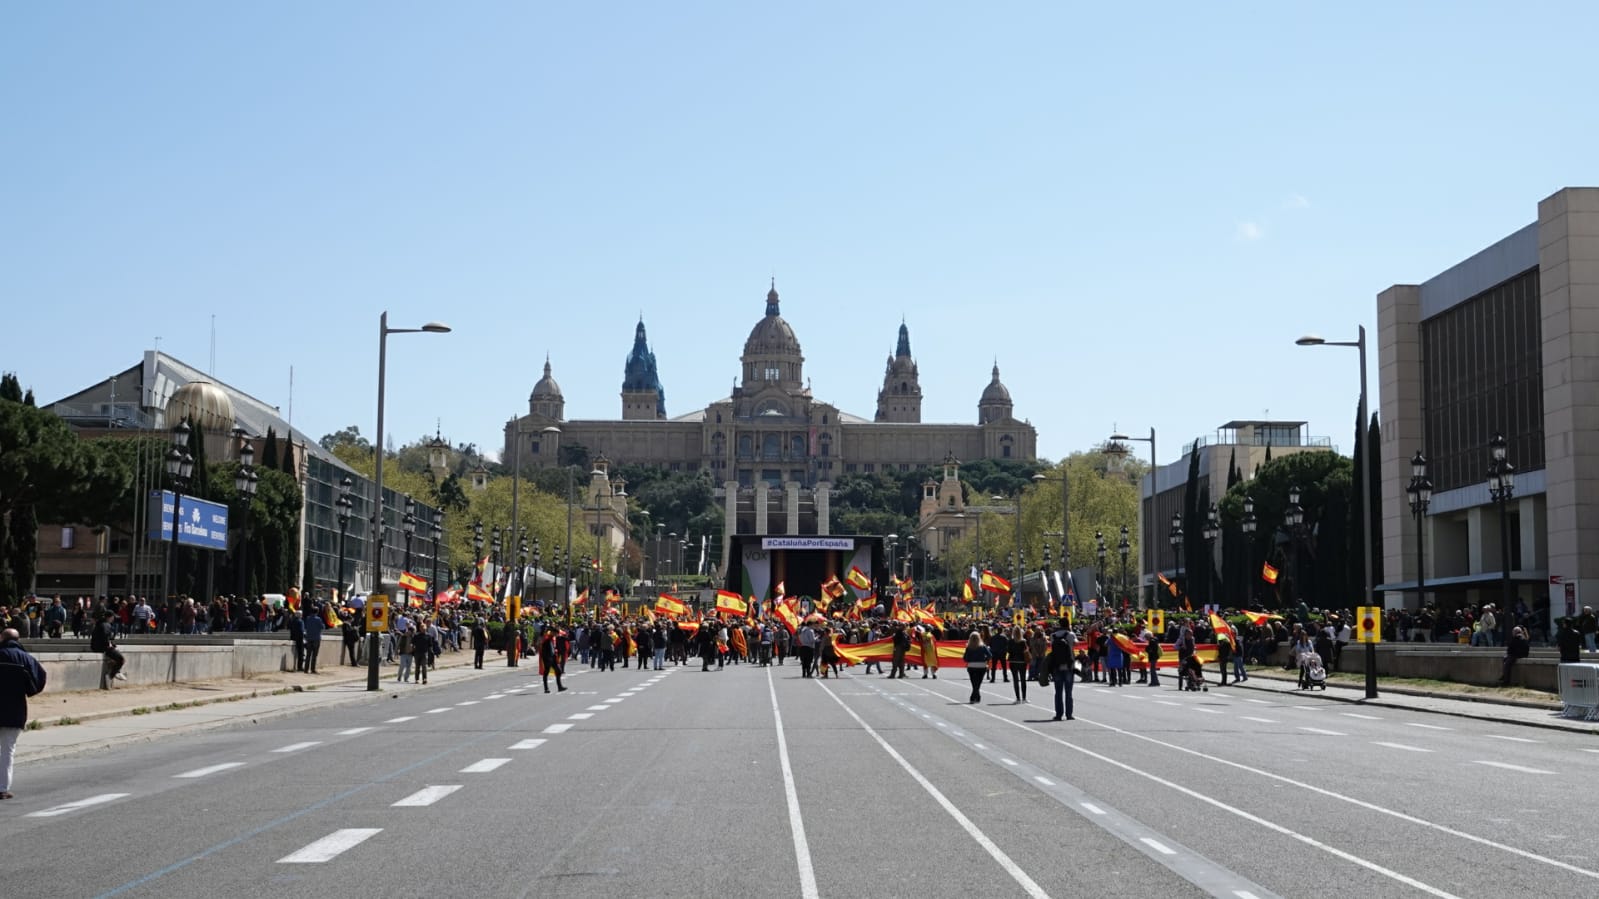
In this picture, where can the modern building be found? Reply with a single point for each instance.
(1162, 492)
(1504, 342)
(141, 400)
(771, 447)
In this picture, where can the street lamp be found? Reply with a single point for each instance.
(495, 546)
(1099, 552)
(1123, 547)
(244, 482)
(1065, 516)
(438, 534)
(408, 524)
(1420, 490)
(1368, 591)
(477, 549)
(893, 545)
(1211, 531)
(180, 467)
(377, 545)
(1175, 538)
(1294, 519)
(1501, 487)
(1116, 455)
(344, 505)
(537, 560)
(1248, 528)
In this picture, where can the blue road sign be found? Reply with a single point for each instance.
(204, 525)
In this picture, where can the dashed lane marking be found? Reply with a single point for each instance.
(557, 728)
(1511, 739)
(426, 796)
(1426, 726)
(296, 747)
(331, 846)
(77, 806)
(1257, 720)
(484, 766)
(1360, 716)
(598, 708)
(580, 716)
(527, 744)
(355, 730)
(1157, 845)
(468, 702)
(437, 711)
(1509, 767)
(1404, 746)
(1323, 732)
(401, 720)
(210, 769)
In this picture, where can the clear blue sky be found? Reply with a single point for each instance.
(1135, 207)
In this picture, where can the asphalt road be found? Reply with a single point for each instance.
(753, 782)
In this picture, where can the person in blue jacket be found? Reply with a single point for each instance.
(21, 676)
(314, 625)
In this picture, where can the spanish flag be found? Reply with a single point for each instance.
(833, 587)
(785, 614)
(411, 582)
(1259, 618)
(477, 593)
(866, 604)
(966, 591)
(994, 583)
(731, 603)
(581, 598)
(1268, 573)
(1168, 583)
(926, 616)
(1224, 631)
(670, 605)
(858, 579)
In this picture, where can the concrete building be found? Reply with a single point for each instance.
(1506, 341)
(119, 559)
(772, 449)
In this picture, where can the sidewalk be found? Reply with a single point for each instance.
(92, 720)
(1506, 711)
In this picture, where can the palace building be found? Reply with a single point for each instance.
(772, 448)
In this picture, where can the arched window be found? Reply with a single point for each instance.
(746, 446)
(771, 446)
(796, 446)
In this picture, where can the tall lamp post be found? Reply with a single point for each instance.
(495, 546)
(477, 548)
(1123, 547)
(408, 523)
(1420, 490)
(1175, 538)
(345, 506)
(1116, 451)
(1211, 532)
(513, 645)
(1065, 516)
(1501, 487)
(245, 481)
(438, 534)
(180, 467)
(1099, 553)
(1369, 461)
(1248, 528)
(377, 544)
(1294, 519)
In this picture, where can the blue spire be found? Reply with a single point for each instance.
(903, 351)
(641, 373)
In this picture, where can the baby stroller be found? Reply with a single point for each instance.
(1311, 672)
(1191, 675)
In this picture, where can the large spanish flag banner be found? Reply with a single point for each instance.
(731, 603)
(670, 606)
(1224, 631)
(785, 613)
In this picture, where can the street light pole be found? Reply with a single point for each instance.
(180, 466)
(344, 505)
(1420, 490)
(1099, 554)
(1248, 528)
(1146, 541)
(244, 481)
(1369, 462)
(1501, 487)
(1211, 532)
(1123, 547)
(408, 523)
(1175, 537)
(438, 533)
(377, 450)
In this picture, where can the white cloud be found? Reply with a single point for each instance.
(1250, 231)
(1296, 201)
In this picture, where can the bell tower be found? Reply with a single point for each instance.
(900, 399)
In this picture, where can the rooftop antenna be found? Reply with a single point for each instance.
(158, 343)
(212, 369)
(291, 396)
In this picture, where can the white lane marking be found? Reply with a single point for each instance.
(613, 701)
(296, 747)
(1511, 739)
(212, 769)
(1405, 746)
(437, 711)
(426, 796)
(981, 746)
(1426, 726)
(598, 708)
(527, 744)
(1257, 720)
(1257, 701)
(557, 728)
(1164, 702)
(401, 720)
(469, 702)
(1030, 886)
(1509, 767)
(1360, 716)
(1328, 733)
(1309, 708)
(1591, 750)
(494, 696)
(580, 716)
(1092, 808)
(941, 723)
(484, 766)
(355, 730)
(331, 846)
(63, 809)
(1245, 894)
(516, 689)
(796, 822)
(1011, 762)
(1043, 780)
(1223, 806)
(1157, 845)
(1207, 711)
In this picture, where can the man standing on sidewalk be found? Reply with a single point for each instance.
(21, 676)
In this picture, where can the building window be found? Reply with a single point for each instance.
(677, 466)
(746, 446)
(772, 477)
(773, 374)
(796, 446)
(869, 467)
(849, 468)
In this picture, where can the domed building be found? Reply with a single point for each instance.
(772, 447)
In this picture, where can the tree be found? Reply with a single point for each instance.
(1234, 579)
(269, 450)
(1321, 477)
(348, 436)
(1193, 527)
(44, 473)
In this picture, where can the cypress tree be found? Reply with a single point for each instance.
(1193, 522)
(269, 449)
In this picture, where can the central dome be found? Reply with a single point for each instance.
(771, 335)
(772, 356)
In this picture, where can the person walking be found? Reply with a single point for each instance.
(349, 634)
(1017, 656)
(402, 649)
(21, 676)
(480, 642)
(976, 656)
(550, 659)
(806, 638)
(1062, 667)
(422, 649)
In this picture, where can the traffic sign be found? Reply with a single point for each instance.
(1368, 624)
(1157, 622)
(377, 614)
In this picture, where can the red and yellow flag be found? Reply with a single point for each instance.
(966, 591)
(833, 587)
(858, 579)
(786, 615)
(670, 606)
(581, 598)
(994, 583)
(411, 582)
(1224, 631)
(477, 593)
(731, 603)
(1268, 573)
(1171, 587)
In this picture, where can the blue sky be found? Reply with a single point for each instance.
(1135, 208)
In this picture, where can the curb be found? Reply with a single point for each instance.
(1378, 703)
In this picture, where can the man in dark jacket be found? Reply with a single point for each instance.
(21, 676)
